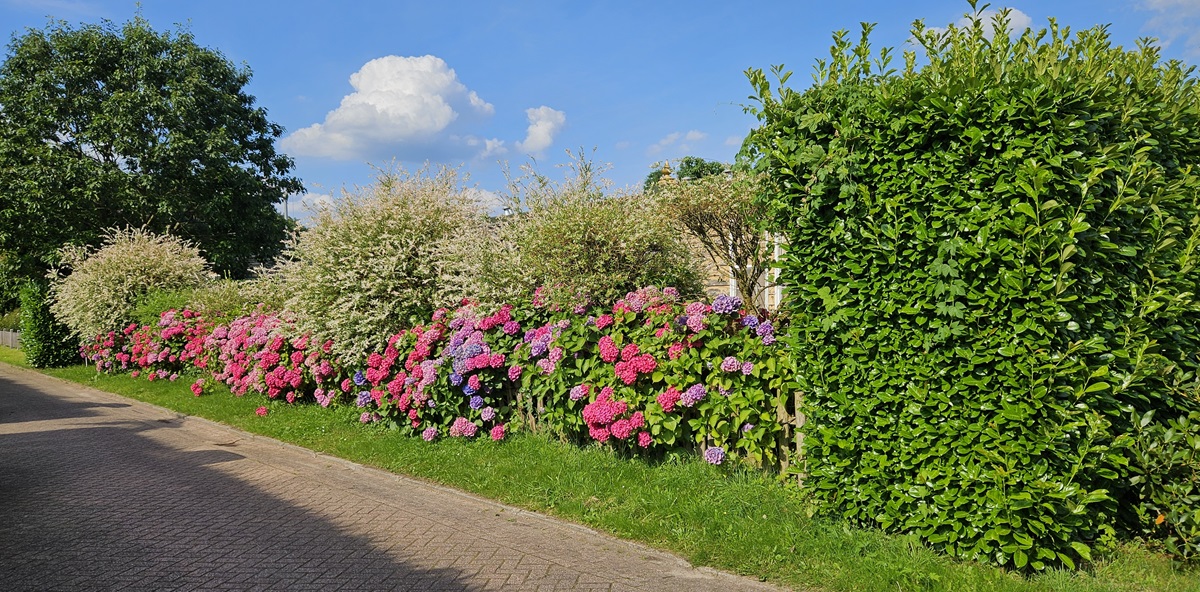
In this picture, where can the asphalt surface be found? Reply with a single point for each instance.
(100, 492)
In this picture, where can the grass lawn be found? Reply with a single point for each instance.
(737, 520)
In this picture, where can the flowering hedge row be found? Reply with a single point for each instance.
(652, 373)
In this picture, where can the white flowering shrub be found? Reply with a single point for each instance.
(96, 291)
(583, 242)
(368, 267)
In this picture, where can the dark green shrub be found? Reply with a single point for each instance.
(992, 264)
(46, 342)
(1166, 471)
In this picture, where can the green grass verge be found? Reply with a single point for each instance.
(740, 521)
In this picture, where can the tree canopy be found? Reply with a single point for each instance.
(109, 126)
(690, 167)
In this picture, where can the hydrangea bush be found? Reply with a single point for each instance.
(650, 374)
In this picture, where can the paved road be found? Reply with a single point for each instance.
(98, 492)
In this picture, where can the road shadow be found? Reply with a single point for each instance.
(104, 507)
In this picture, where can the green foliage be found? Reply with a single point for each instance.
(107, 127)
(689, 168)
(46, 342)
(368, 266)
(584, 243)
(1166, 471)
(219, 302)
(104, 287)
(11, 321)
(993, 265)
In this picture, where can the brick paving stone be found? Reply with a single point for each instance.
(99, 492)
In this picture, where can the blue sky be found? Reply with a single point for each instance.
(480, 83)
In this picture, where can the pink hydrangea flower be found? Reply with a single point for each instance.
(497, 433)
(262, 411)
(668, 399)
(463, 428)
(608, 349)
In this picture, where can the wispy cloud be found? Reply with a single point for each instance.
(1175, 21)
(672, 140)
(1017, 21)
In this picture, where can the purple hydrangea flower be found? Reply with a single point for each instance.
(429, 434)
(715, 455)
(730, 364)
(764, 328)
(747, 368)
(768, 339)
(747, 427)
(488, 414)
(693, 395)
(750, 321)
(455, 378)
(476, 402)
(360, 378)
(364, 398)
(467, 390)
(726, 304)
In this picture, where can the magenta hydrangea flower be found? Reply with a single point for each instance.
(514, 373)
(715, 455)
(497, 433)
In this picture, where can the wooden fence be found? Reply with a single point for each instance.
(10, 339)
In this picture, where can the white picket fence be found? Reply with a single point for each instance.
(10, 339)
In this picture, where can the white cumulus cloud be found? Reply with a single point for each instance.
(1174, 21)
(401, 107)
(544, 125)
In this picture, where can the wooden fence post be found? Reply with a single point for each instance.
(800, 419)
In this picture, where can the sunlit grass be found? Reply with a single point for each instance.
(738, 520)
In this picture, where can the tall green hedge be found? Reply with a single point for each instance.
(46, 342)
(991, 271)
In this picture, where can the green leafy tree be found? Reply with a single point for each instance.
(689, 168)
(112, 127)
(999, 268)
